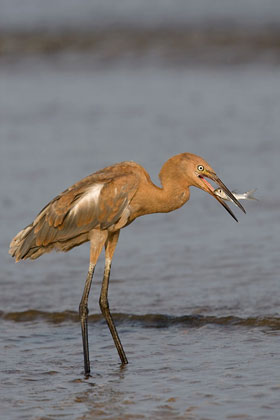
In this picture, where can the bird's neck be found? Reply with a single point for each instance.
(168, 198)
(173, 193)
(153, 199)
(175, 187)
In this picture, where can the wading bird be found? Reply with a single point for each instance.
(97, 207)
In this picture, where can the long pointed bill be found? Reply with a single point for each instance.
(214, 178)
(221, 201)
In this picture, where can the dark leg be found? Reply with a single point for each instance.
(97, 243)
(103, 300)
(83, 312)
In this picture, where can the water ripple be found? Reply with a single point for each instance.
(147, 320)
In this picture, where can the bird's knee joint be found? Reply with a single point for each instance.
(83, 311)
(103, 303)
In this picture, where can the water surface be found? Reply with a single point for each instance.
(195, 295)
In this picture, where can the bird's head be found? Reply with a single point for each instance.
(197, 170)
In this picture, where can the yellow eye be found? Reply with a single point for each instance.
(200, 168)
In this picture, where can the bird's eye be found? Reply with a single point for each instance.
(200, 167)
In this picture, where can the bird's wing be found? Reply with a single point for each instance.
(93, 202)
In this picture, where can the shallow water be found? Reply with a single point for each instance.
(195, 295)
(38, 14)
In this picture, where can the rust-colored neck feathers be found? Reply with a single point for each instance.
(173, 194)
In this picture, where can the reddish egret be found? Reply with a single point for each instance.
(97, 207)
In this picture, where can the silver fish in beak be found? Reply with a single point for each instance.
(208, 187)
(248, 195)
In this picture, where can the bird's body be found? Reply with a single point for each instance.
(108, 200)
(98, 206)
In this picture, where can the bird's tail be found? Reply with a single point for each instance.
(23, 245)
(26, 244)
